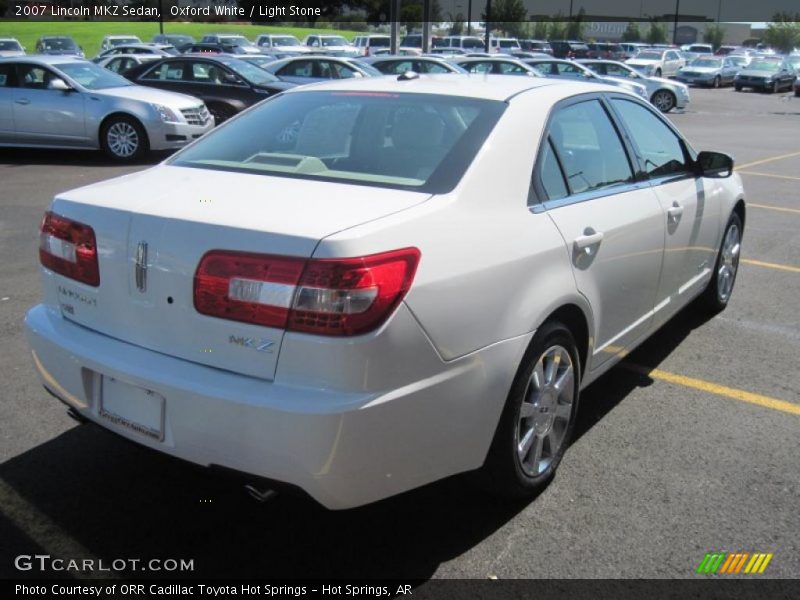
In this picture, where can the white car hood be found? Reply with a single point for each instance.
(152, 95)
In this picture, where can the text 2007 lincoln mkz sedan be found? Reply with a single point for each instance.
(367, 285)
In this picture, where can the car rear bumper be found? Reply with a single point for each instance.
(343, 448)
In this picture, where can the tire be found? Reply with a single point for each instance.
(774, 88)
(716, 296)
(797, 92)
(221, 112)
(509, 469)
(717, 82)
(123, 138)
(738, 88)
(663, 100)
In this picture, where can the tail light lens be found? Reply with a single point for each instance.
(69, 248)
(336, 297)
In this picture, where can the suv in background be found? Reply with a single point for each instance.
(281, 45)
(504, 44)
(606, 50)
(231, 39)
(569, 49)
(536, 46)
(367, 44)
(464, 42)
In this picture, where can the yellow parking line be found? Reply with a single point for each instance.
(767, 175)
(766, 160)
(44, 532)
(717, 390)
(769, 265)
(770, 207)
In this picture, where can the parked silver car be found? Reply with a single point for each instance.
(664, 94)
(558, 67)
(709, 71)
(64, 102)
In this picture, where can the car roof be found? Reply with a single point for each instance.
(55, 37)
(502, 87)
(45, 59)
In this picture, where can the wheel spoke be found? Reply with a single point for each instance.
(527, 410)
(525, 444)
(553, 441)
(538, 376)
(564, 381)
(536, 453)
(552, 367)
(563, 411)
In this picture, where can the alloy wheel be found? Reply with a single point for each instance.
(663, 100)
(729, 262)
(546, 411)
(123, 139)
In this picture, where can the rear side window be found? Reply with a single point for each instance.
(661, 150)
(420, 142)
(590, 149)
(550, 174)
(168, 71)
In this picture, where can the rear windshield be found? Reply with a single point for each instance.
(421, 142)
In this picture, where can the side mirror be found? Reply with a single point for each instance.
(59, 85)
(714, 164)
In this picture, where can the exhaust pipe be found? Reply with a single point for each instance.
(258, 495)
(76, 416)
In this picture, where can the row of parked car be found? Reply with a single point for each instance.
(153, 96)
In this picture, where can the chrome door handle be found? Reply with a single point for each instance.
(23, 101)
(590, 238)
(674, 212)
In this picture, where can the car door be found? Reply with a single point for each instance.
(672, 62)
(8, 76)
(728, 70)
(612, 224)
(691, 210)
(45, 116)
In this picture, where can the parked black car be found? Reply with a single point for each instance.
(227, 85)
(569, 49)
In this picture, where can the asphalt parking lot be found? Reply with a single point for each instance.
(688, 448)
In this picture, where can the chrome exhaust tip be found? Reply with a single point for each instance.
(259, 495)
(76, 416)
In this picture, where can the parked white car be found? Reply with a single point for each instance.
(664, 94)
(355, 303)
(657, 62)
(111, 41)
(65, 102)
(10, 47)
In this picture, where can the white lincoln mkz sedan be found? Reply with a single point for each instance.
(363, 286)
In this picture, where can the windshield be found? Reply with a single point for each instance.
(10, 45)
(285, 40)
(92, 77)
(644, 55)
(235, 40)
(250, 72)
(706, 62)
(426, 141)
(334, 40)
(59, 44)
(127, 40)
(764, 65)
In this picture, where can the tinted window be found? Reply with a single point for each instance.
(658, 145)
(550, 174)
(298, 68)
(395, 67)
(344, 72)
(33, 77)
(478, 67)
(590, 149)
(168, 71)
(407, 141)
(6, 75)
(429, 67)
(512, 69)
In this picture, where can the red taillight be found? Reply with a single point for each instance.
(69, 248)
(336, 297)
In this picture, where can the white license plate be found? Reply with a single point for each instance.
(132, 407)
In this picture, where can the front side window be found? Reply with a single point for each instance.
(512, 69)
(93, 77)
(662, 150)
(33, 77)
(590, 149)
(396, 67)
(420, 142)
(298, 68)
(478, 67)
